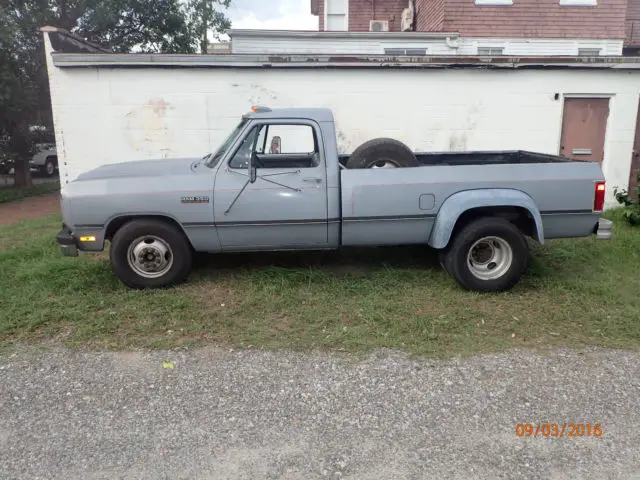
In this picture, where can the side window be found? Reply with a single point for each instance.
(289, 146)
(279, 146)
(288, 139)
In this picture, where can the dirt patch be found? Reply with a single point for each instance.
(214, 297)
(29, 208)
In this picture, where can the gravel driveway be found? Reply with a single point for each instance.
(253, 415)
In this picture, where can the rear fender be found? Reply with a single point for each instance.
(458, 203)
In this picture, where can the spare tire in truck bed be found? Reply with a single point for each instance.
(382, 153)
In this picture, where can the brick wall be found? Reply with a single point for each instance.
(525, 18)
(633, 23)
(429, 15)
(361, 12)
(536, 18)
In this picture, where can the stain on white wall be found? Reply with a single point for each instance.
(146, 128)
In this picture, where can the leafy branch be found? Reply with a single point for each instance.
(630, 203)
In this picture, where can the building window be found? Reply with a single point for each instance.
(579, 3)
(589, 52)
(336, 15)
(405, 51)
(490, 51)
(494, 2)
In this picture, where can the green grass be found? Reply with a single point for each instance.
(576, 293)
(11, 194)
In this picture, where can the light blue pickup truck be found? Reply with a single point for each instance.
(278, 183)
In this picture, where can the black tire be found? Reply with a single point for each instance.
(382, 150)
(179, 248)
(50, 165)
(456, 263)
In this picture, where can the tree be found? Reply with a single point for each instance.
(18, 95)
(166, 26)
(208, 16)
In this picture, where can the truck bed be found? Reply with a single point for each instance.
(393, 206)
(483, 158)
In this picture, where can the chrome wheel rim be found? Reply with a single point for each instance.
(384, 164)
(489, 258)
(150, 256)
(51, 169)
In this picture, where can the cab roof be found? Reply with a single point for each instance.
(317, 114)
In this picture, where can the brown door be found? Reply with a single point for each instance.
(584, 125)
(635, 159)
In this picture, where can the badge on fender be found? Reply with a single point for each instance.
(194, 199)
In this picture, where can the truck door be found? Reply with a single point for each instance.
(286, 207)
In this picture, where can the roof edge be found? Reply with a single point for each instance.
(139, 60)
(61, 38)
(317, 34)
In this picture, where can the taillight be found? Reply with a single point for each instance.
(598, 202)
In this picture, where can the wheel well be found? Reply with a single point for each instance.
(519, 216)
(118, 222)
(53, 158)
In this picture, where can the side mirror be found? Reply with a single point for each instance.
(253, 174)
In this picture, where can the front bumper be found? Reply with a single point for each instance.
(604, 229)
(68, 243)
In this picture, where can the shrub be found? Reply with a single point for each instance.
(630, 203)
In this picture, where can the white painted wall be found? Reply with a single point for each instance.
(112, 115)
(324, 44)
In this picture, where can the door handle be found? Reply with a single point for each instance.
(312, 179)
(582, 151)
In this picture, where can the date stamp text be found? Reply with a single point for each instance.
(557, 430)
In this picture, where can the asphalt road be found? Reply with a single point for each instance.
(253, 415)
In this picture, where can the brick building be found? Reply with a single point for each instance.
(496, 27)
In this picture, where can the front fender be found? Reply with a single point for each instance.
(460, 202)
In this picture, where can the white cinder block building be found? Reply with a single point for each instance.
(112, 108)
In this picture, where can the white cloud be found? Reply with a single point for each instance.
(284, 22)
(273, 15)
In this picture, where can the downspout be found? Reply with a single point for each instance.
(412, 9)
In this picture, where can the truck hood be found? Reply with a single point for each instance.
(144, 168)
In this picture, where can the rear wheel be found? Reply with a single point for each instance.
(150, 254)
(382, 153)
(487, 255)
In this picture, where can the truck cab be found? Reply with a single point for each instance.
(277, 186)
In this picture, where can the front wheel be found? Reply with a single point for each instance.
(487, 255)
(150, 254)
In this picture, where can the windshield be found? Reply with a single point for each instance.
(213, 159)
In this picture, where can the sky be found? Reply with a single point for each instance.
(272, 14)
